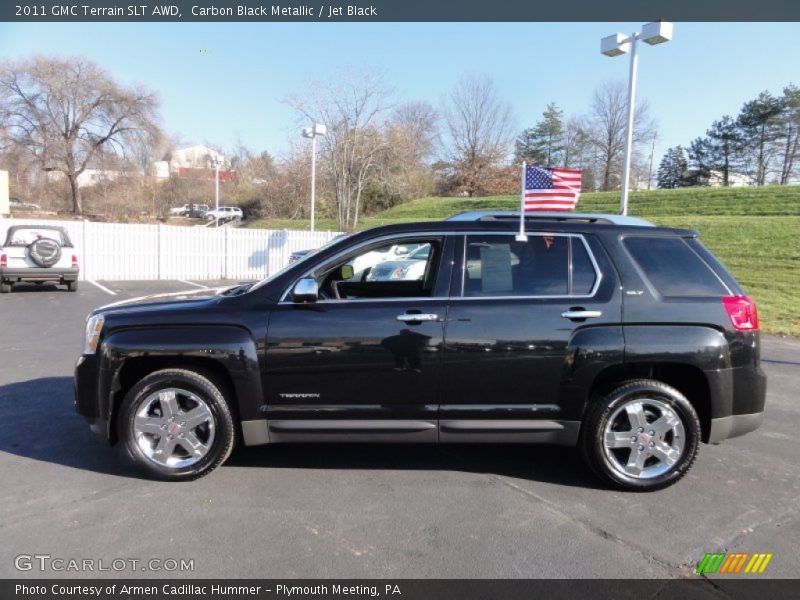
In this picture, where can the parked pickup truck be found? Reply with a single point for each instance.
(628, 340)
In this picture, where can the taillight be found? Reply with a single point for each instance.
(3, 260)
(742, 312)
(74, 262)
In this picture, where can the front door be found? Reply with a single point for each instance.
(364, 360)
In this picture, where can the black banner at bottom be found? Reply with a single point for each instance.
(400, 589)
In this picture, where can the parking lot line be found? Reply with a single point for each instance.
(102, 287)
(200, 285)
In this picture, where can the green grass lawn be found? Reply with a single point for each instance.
(755, 232)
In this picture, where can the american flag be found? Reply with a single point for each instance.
(550, 188)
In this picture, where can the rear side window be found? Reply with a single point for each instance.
(673, 267)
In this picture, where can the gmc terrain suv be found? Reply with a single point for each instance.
(628, 340)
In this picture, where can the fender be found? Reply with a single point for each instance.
(231, 348)
(699, 346)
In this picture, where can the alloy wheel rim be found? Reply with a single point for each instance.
(644, 438)
(174, 428)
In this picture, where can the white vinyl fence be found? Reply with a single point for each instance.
(130, 251)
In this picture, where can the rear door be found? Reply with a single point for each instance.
(515, 309)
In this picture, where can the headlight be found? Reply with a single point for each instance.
(94, 325)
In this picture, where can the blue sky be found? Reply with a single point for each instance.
(224, 82)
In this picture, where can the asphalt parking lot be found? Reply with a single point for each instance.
(366, 510)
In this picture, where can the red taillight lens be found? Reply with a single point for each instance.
(3, 260)
(742, 312)
(74, 261)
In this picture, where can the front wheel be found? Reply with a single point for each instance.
(175, 424)
(643, 436)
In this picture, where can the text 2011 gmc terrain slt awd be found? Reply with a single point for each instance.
(630, 341)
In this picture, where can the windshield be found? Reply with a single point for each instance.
(299, 261)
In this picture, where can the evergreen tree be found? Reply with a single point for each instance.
(725, 144)
(543, 144)
(759, 126)
(672, 169)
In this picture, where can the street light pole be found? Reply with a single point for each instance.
(313, 177)
(626, 166)
(614, 45)
(216, 191)
(313, 132)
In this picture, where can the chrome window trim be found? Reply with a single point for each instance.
(465, 234)
(377, 240)
(591, 294)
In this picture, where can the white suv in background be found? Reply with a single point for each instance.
(38, 253)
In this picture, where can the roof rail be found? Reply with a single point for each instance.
(510, 215)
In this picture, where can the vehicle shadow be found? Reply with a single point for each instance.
(546, 464)
(40, 423)
(26, 288)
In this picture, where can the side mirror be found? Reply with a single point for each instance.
(305, 290)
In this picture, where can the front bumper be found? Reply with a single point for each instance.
(39, 274)
(89, 401)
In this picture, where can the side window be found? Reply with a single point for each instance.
(392, 270)
(584, 275)
(673, 267)
(502, 266)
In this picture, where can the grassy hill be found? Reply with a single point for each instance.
(754, 231)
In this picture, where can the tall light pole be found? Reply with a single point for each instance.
(313, 132)
(216, 162)
(614, 45)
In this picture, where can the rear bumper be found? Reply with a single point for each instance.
(39, 274)
(734, 426)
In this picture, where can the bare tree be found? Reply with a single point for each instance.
(605, 130)
(353, 108)
(480, 128)
(68, 111)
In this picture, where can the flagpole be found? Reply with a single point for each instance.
(521, 237)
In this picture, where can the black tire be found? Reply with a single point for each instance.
(203, 386)
(44, 252)
(5, 287)
(72, 286)
(602, 459)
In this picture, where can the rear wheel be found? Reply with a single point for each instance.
(5, 287)
(72, 286)
(642, 436)
(175, 424)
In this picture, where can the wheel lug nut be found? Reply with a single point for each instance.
(641, 429)
(641, 448)
(180, 435)
(652, 432)
(652, 444)
(183, 423)
(633, 438)
(164, 427)
(170, 437)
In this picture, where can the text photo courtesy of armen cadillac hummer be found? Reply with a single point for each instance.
(397, 302)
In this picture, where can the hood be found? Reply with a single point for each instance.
(187, 299)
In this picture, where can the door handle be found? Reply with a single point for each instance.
(581, 314)
(413, 318)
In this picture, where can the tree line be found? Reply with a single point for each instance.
(759, 146)
(67, 115)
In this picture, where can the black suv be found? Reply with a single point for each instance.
(628, 340)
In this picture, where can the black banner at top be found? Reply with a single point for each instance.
(328, 11)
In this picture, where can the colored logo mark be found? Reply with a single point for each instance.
(734, 562)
